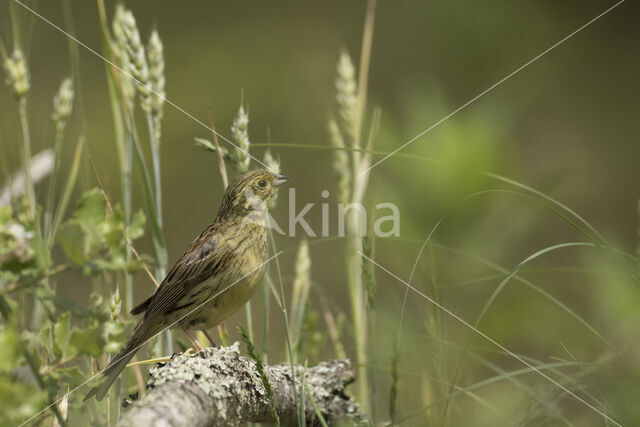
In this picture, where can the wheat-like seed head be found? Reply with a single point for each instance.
(346, 96)
(63, 103)
(239, 129)
(121, 56)
(17, 73)
(115, 305)
(340, 163)
(137, 60)
(273, 165)
(155, 55)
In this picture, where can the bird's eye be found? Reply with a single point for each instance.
(262, 183)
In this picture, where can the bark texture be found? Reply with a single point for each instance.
(218, 386)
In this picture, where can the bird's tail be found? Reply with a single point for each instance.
(117, 364)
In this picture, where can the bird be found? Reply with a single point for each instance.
(215, 276)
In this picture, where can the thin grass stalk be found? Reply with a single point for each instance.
(300, 297)
(133, 54)
(36, 314)
(340, 162)
(123, 143)
(393, 392)
(222, 328)
(262, 372)
(157, 235)
(74, 57)
(48, 210)
(365, 59)
(68, 189)
(370, 286)
(26, 145)
(63, 103)
(266, 319)
(155, 156)
(353, 113)
(127, 178)
(241, 162)
(127, 183)
(638, 235)
(511, 376)
(283, 307)
(221, 165)
(303, 401)
(249, 316)
(332, 329)
(274, 166)
(357, 297)
(314, 404)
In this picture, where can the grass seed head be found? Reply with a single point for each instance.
(155, 56)
(240, 131)
(346, 96)
(340, 163)
(119, 48)
(17, 73)
(137, 60)
(115, 305)
(63, 102)
(273, 165)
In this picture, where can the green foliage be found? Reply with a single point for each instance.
(208, 146)
(93, 238)
(9, 349)
(20, 400)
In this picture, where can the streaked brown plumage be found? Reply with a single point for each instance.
(227, 260)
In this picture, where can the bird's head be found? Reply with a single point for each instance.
(250, 192)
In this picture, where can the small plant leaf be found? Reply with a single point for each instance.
(62, 334)
(87, 341)
(71, 239)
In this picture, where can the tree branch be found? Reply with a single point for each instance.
(219, 387)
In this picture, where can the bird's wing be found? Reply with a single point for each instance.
(199, 262)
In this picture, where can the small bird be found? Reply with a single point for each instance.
(215, 276)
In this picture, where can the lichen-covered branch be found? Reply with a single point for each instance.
(218, 386)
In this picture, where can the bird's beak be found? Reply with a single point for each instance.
(280, 179)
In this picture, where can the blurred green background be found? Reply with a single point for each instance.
(566, 125)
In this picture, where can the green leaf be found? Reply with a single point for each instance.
(7, 305)
(71, 239)
(62, 335)
(91, 208)
(136, 228)
(9, 349)
(45, 338)
(115, 336)
(71, 376)
(87, 341)
(112, 226)
(205, 143)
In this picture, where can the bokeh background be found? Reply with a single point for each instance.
(566, 125)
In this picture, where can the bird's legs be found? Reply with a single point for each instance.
(208, 335)
(193, 340)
